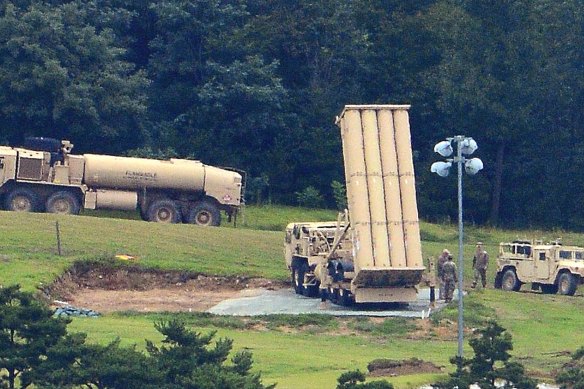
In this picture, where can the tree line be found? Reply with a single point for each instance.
(256, 85)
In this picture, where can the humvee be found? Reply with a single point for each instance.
(551, 267)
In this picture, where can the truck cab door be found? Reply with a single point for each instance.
(542, 264)
(7, 164)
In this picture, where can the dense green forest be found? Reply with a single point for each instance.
(257, 84)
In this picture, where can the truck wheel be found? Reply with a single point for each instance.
(333, 295)
(567, 284)
(298, 279)
(345, 298)
(64, 203)
(308, 290)
(204, 214)
(163, 211)
(22, 200)
(509, 282)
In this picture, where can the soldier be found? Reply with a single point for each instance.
(439, 272)
(450, 279)
(480, 263)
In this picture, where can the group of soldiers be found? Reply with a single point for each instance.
(446, 272)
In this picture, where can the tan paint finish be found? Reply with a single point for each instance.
(381, 257)
(116, 199)
(393, 201)
(104, 171)
(357, 190)
(76, 167)
(224, 185)
(386, 295)
(382, 197)
(408, 189)
(8, 160)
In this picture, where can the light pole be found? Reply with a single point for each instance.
(464, 146)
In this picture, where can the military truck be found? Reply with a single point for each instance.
(372, 253)
(43, 176)
(551, 267)
(319, 256)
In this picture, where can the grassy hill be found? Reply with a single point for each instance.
(292, 351)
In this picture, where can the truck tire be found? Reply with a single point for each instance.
(567, 284)
(308, 290)
(63, 202)
(163, 211)
(22, 200)
(298, 279)
(204, 213)
(345, 299)
(509, 281)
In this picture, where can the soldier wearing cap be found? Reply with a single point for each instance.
(440, 272)
(449, 275)
(480, 263)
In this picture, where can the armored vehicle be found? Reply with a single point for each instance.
(46, 177)
(551, 267)
(372, 253)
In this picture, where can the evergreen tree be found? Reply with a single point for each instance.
(490, 363)
(188, 360)
(27, 332)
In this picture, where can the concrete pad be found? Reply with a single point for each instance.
(285, 301)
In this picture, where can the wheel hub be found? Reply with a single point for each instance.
(164, 214)
(62, 206)
(21, 203)
(203, 218)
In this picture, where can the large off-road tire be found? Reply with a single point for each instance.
(345, 299)
(298, 279)
(549, 288)
(64, 203)
(308, 290)
(333, 295)
(204, 213)
(567, 284)
(509, 281)
(22, 200)
(163, 211)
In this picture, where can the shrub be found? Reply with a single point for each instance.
(340, 195)
(310, 197)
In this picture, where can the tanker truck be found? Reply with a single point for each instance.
(43, 176)
(372, 253)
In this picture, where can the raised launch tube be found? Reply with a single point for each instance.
(381, 193)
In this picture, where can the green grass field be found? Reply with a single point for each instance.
(288, 350)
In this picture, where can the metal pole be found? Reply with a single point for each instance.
(460, 253)
(58, 238)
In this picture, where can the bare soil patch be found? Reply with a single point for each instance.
(131, 288)
(392, 368)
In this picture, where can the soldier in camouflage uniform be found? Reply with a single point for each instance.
(450, 279)
(439, 272)
(480, 262)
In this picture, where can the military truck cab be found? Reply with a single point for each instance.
(319, 258)
(552, 267)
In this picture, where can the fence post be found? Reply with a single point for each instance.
(58, 238)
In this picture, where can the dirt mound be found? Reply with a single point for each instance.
(109, 287)
(392, 368)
